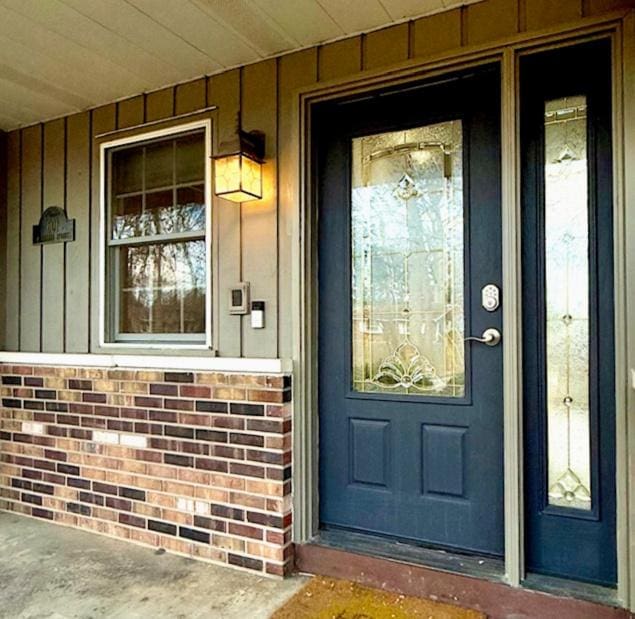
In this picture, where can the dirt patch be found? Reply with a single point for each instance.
(327, 598)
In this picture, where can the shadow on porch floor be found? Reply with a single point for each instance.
(48, 571)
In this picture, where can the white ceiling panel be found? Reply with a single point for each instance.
(400, 9)
(45, 55)
(352, 17)
(128, 21)
(97, 39)
(248, 22)
(198, 29)
(303, 20)
(61, 56)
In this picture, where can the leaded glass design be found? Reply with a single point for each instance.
(407, 261)
(567, 303)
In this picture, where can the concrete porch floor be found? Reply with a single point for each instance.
(49, 571)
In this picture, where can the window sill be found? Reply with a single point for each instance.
(167, 362)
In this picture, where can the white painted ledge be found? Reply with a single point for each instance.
(163, 362)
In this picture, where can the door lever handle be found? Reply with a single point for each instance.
(490, 337)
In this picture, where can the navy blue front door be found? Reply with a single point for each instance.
(409, 254)
(568, 309)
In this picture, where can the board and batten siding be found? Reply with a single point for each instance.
(51, 295)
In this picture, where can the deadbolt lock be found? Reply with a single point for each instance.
(490, 297)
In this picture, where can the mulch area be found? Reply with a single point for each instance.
(328, 598)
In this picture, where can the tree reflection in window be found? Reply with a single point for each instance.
(407, 271)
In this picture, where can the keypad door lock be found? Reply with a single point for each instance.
(490, 297)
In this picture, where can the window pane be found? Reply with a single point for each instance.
(190, 203)
(159, 165)
(567, 303)
(190, 159)
(127, 221)
(127, 170)
(159, 198)
(407, 254)
(162, 288)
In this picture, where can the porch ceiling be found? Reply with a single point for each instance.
(61, 56)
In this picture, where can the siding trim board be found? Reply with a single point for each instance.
(217, 364)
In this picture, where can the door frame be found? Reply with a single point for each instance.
(620, 28)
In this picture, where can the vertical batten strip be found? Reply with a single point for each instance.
(3, 236)
(103, 119)
(30, 255)
(224, 92)
(77, 253)
(338, 59)
(14, 175)
(190, 96)
(259, 218)
(386, 47)
(159, 104)
(53, 254)
(130, 112)
(295, 71)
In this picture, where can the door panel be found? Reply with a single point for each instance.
(569, 378)
(408, 226)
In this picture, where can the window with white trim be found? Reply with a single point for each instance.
(157, 242)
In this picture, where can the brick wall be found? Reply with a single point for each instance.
(196, 463)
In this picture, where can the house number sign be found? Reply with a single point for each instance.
(54, 227)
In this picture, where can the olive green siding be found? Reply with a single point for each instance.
(52, 291)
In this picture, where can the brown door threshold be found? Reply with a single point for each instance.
(497, 600)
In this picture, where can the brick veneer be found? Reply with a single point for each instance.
(198, 463)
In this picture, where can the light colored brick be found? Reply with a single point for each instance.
(151, 376)
(172, 487)
(134, 440)
(164, 500)
(185, 505)
(106, 386)
(194, 476)
(69, 396)
(212, 494)
(229, 393)
(209, 553)
(265, 551)
(147, 483)
(55, 382)
(230, 543)
(33, 427)
(110, 438)
(144, 537)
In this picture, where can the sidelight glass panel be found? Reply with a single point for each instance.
(567, 303)
(407, 261)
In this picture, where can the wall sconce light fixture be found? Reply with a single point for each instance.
(238, 167)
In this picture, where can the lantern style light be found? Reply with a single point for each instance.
(238, 168)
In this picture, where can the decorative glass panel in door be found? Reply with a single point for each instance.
(407, 261)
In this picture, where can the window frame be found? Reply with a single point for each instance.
(109, 336)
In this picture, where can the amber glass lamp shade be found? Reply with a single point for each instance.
(237, 177)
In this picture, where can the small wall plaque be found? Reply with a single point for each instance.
(54, 227)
